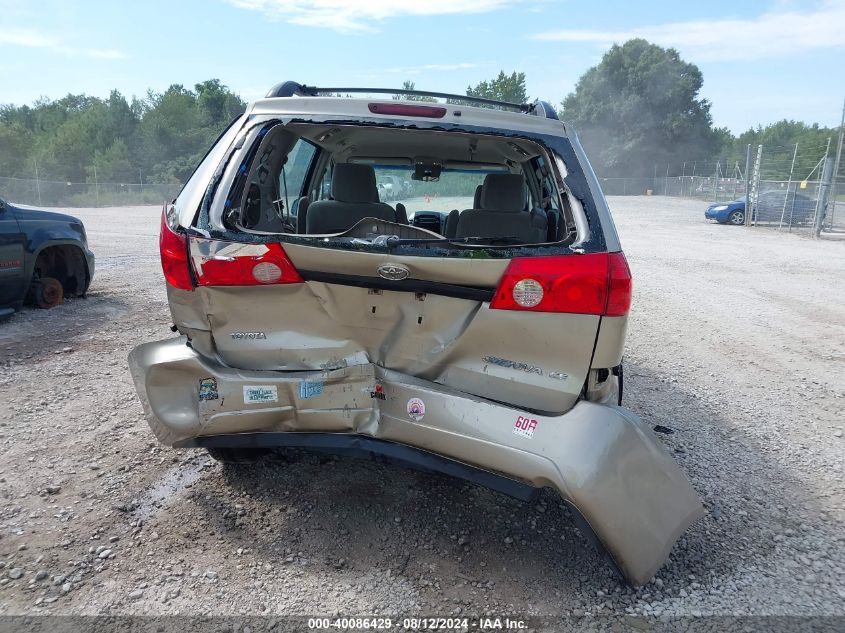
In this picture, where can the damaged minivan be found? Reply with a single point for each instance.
(435, 281)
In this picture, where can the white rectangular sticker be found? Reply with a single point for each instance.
(524, 427)
(260, 394)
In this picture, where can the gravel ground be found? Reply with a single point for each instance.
(736, 343)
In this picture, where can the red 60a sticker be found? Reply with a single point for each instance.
(525, 427)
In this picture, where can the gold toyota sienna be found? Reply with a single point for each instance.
(474, 325)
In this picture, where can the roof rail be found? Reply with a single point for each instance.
(292, 88)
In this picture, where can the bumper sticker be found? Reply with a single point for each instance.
(378, 393)
(260, 394)
(524, 427)
(310, 389)
(416, 409)
(208, 389)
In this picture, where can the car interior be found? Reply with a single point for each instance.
(323, 180)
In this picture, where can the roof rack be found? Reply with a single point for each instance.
(292, 88)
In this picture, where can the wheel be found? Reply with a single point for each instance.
(238, 455)
(48, 293)
(737, 217)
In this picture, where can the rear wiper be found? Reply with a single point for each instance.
(393, 241)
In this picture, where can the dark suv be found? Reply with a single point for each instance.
(44, 257)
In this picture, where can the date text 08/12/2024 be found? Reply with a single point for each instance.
(419, 624)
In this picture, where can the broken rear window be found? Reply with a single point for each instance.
(355, 186)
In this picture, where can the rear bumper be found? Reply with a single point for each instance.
(601, 459)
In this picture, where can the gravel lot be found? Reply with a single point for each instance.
(737, 343)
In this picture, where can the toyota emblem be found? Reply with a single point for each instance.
(393, 272)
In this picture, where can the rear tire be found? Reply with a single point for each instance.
(736, 218)
(48, 293)
(238, 455)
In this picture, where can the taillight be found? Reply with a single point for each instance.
(619, 285)
(174, 256)
(218, 263)
(595, 283)
(404, 109)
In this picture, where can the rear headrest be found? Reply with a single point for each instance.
(503, 192)
(354, 183)
(476, 199)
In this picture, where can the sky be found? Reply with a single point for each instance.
(762, 61)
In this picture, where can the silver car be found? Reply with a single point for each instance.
(474, 327)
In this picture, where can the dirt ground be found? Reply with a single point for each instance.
(736, 342)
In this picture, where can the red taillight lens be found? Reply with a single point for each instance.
(596, 283)
(620, 285)
(403, 109)
(238, 264)
(174, 256)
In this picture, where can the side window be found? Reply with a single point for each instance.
(294, 171)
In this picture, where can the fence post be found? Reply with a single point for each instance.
(788, 185)
(751, 200)
(824, 191)
(37, 182)
(747, 180)
(96, 185)
(835, 190)
(716, 181)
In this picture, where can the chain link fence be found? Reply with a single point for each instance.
(793, 188)
(50, 193)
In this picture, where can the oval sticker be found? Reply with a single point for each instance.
(416, 409)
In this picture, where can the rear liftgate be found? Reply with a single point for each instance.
(445, 364)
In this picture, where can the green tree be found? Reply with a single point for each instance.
(217, 104)
(786, 133)
(16, 151)
(113, 164)
(163, 135)
(510, 88)
(639, 107)
(410, 85)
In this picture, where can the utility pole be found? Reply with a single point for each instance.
(824, 191)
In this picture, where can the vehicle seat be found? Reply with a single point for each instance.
(452, 222)
(302, 213)
(502, 212)
(401, 213)
(354, 197)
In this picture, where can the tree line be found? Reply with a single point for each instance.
(638, 109)
(158, 138)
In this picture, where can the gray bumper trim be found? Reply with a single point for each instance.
(360, 446)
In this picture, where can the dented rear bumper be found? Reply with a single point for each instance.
(601, 459)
